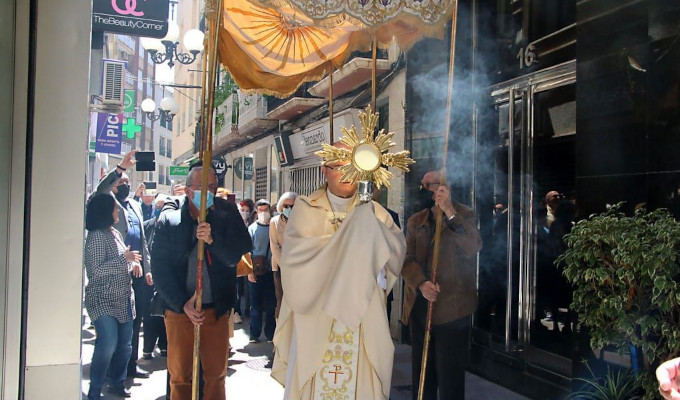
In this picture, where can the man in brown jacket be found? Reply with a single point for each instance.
(454, 295)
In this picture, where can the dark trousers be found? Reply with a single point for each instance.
(143, 293)
(447, 356)
(154, 331)
(240, 291)
(262, 301)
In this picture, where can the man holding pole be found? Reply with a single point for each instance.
(453, 294)
(175, 275)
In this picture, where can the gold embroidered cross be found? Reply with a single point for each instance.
(338, 369)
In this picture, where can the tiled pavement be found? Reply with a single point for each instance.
(248, 375)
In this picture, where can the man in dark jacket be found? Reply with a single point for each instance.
(454, 295)
(174, 249)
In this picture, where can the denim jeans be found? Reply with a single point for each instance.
(112, 351)
(262, 300)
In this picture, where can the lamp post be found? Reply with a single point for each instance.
(167, 110)
(166, 49)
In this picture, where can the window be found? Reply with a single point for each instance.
(168, 149)
(161, 174)
(161, 146)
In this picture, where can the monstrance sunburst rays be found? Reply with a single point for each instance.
(367, 155)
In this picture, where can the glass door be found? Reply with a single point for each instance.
(499, 202)
(550, 322)
(525, 199)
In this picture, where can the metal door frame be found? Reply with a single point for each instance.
(527, 87)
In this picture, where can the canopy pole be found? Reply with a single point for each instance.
(204, 106)
(331, 69)
(439, 213)
(214, 13)
(374, 66)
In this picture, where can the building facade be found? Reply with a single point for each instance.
(579, 98)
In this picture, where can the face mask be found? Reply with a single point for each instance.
(244, 215)
(425, 199)
(286, 212)
(197, 199)
(157, 212)
(263, 218)
(122, 192)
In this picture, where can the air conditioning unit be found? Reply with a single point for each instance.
(113, 77)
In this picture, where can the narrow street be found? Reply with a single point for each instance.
(249, 367)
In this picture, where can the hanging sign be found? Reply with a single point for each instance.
(131, 17)
(109, 133)
(244, 169)
(220, 167)
(178, 172)
(129, 105)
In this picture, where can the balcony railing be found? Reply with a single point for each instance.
(274, 102)
(381, 54)
(251, 107)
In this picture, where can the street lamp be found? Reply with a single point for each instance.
(162, 50)
(167, 110)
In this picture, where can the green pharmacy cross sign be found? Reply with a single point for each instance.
(131, 128)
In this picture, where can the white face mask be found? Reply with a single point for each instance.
(263, 218)
(244, 215)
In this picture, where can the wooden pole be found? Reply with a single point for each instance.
(204, 105)
(331, 69)
(215, 18)
(374, 65)
(439, 213)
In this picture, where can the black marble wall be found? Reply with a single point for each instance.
(628, 102)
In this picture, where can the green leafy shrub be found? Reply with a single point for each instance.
(624, 270)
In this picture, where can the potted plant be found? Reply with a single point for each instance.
(624, 271)
(616, 385)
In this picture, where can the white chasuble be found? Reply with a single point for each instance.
(332, 337)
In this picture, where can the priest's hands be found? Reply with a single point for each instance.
(194, 315)
(667, 375)
(429, 290)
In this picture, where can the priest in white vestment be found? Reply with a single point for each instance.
(339, 260)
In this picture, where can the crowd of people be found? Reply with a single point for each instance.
(322, 268)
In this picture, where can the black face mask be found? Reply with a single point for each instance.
(425, 199)
(122, 192)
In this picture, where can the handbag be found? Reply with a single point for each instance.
(244, 266)
(260, 265)
(157, 306)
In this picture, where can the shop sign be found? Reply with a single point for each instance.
(131, 17)
(220, 167)
(109, 133)
(314, 139)
(244, 169)
(129, 105)
(178, 172)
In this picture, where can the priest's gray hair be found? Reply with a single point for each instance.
(284, 197)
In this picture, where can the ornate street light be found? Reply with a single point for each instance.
(162, 50)
(167, 110)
